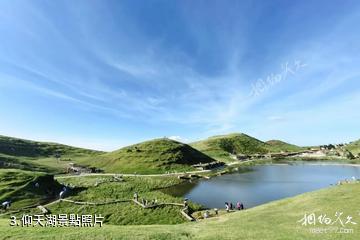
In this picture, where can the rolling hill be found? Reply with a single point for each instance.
(39, 156)
(220, 147)
(154, 156)
(354, 147)
(278, 146)
(27, 148)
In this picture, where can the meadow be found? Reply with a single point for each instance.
(276, 220)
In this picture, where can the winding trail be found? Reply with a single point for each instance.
(183, 210)
(131, 175)
(147, 175)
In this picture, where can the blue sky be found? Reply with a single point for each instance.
(104, 74)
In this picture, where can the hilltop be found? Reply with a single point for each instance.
(220, 147)
(154, 156)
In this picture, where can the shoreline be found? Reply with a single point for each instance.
(316, 164)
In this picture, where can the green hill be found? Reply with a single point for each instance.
(220, 147)
(39, 156)
(278, 146)
(354, 147)
(155, 156)
(27, 148)
(19, 187)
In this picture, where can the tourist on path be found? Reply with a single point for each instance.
(5, 205)
(227, 207)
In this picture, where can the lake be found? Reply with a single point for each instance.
(263, 184)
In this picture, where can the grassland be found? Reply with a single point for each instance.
(354, 148)
(275, 220)
(40, 156)
(19, 187)
(26, 148)
(125, 220)
(279, 146)
(148, 188)
(155, 156)
(220, 147)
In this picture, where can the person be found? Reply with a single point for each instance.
(62, 194)
(206, 214)
(238, 206)
(216, 211)
(5, 205)
(241, 206)
(185, 202)
(231, 206)
(227, 207)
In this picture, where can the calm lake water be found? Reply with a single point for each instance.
(264, 184)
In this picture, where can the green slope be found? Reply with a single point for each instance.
(278, 146)
(39, 156)
(354, 147)
(219, 147)
(19, 187)
(155, 156)
(274, 221)
(27, 148)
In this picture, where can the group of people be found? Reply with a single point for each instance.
(230, 206)
(144, 202)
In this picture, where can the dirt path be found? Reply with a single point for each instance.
(146, 175)
(132, 175)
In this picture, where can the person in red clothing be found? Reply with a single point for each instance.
(238, 206)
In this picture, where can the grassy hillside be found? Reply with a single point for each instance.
(278, 146)
(19, 187)
(26, 148)
(39, 156)
(155, 156)
(126, 213)
(7, 161)
(274, 221)
(354, 147)
(219, 147)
